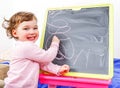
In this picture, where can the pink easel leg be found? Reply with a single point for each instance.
(51, 86)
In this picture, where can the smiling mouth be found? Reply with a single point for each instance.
(31, 38)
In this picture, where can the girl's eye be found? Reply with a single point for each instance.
(35, 28)
(25, 28)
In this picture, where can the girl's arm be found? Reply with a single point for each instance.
(55, 69)
(31, 51)
(42, 55)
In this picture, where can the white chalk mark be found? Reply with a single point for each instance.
(77, 57)
(53, 14)
(87, 57)
(101, 60)
(59, 28)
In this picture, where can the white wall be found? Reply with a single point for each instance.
(116, 4)
(9, 7)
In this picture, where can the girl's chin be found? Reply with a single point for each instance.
(29, 40)
(32, 40)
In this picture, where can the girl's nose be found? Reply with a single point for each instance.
(32, 31)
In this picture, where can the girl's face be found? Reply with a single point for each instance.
(27, 31)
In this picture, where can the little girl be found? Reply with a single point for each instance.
(28, 58)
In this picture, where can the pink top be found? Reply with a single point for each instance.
(27, 59)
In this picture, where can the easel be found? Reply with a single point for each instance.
(53, 81)
(98, 81)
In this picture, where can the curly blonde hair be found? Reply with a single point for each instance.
(15, 20)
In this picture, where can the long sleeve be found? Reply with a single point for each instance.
(24, 66)
(50, 67)
(33, 52)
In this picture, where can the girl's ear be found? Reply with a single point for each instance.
(14, 33)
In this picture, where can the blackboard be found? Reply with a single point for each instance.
(84, 38)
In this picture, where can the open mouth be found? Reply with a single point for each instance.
(32, 38)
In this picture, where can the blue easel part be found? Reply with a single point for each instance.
(5, 62)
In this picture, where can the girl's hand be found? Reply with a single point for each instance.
(55, 39)
(64, 69)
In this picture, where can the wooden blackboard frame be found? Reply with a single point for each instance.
(110, 63)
